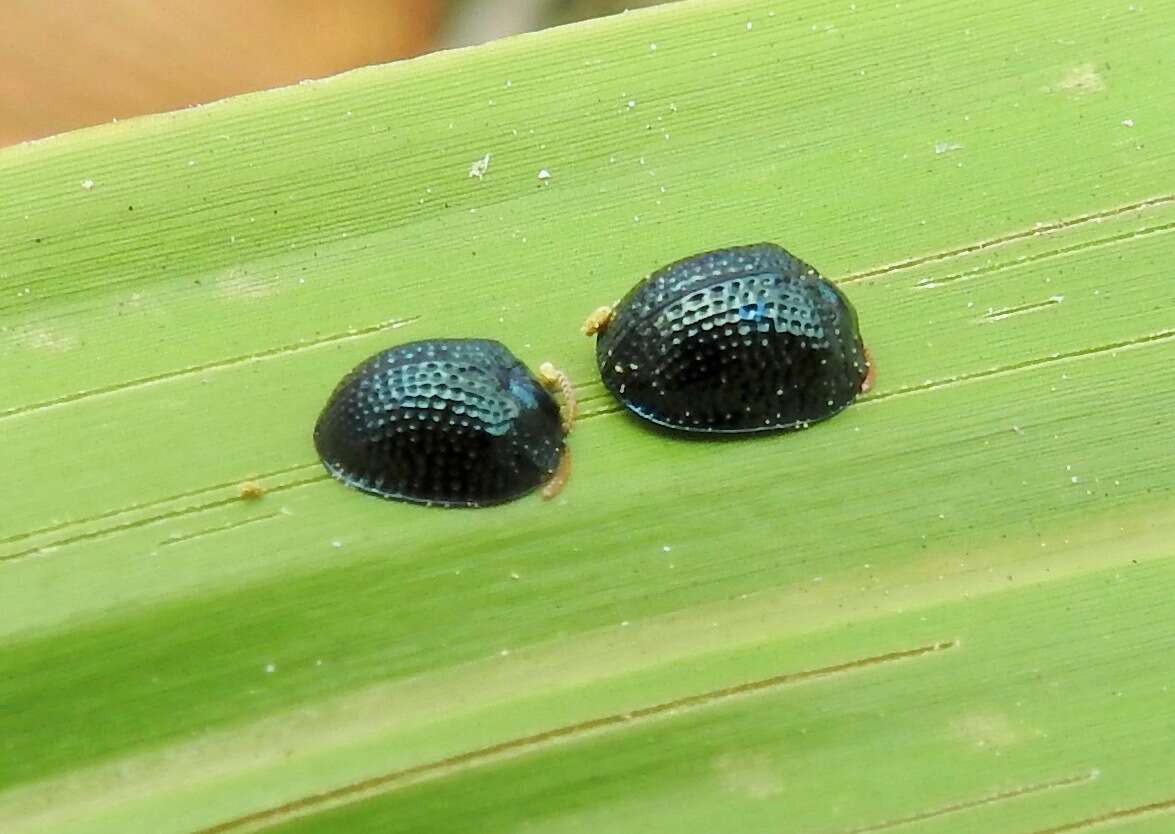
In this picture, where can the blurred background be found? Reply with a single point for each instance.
(66, 64)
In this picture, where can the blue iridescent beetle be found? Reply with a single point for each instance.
(745, 339)
(447, 422)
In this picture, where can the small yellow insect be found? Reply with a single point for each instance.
(250, 490)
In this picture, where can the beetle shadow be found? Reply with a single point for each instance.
(716, 437)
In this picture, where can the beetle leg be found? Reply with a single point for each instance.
(554, 378)
(870, 373)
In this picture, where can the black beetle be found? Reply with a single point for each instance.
(744, 339)
(448, 422)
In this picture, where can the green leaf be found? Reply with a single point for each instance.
(945, 610)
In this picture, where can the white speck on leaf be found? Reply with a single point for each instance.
(479, 167)
(270, 668)
(87, 184)
(544, 175)
(1082, 79)
(1128, 122)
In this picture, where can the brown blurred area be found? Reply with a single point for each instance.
(69, 63)
(65, 64)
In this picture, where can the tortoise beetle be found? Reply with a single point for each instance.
(744, 339)
(447, 422)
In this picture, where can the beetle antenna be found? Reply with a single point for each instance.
(558, 480)
(597, 321)
(552, 377)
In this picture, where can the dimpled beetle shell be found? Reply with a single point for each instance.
(737, 340)
(451, 422)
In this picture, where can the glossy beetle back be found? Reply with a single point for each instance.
(452, 422)
(737, 340)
